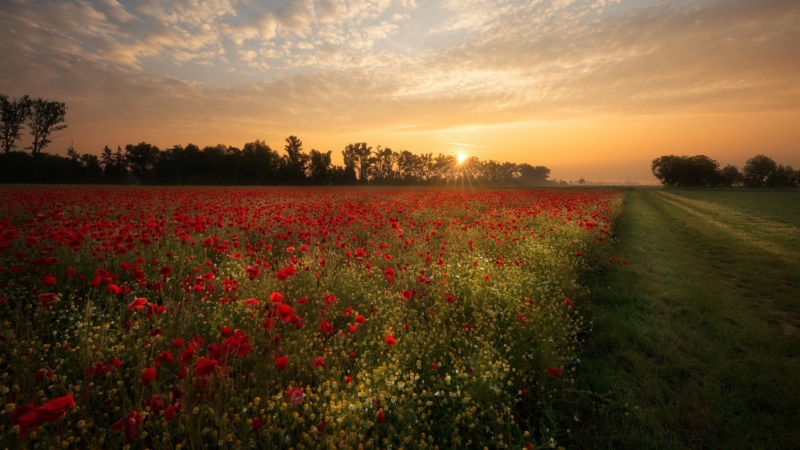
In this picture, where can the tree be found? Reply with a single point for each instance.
(46, 118)
(730, 175)
(758, 169)
(319, 167)
(697, 170)
(258, 162)
(13, 114)
(530, 175)
(356, 156)
(141, 159)
(295, 161)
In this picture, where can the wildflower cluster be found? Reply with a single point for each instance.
(303, 318)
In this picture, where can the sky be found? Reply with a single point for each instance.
(592, 89)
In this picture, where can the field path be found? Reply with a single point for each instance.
(698, 338)
(741, 225)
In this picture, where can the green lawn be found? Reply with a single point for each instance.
(696, 342)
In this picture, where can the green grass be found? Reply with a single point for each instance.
(696, 342)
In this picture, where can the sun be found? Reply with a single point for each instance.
(461, 157)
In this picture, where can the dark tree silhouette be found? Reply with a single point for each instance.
(46, 118)
(319, 168)
(730, 175)
(141, 159)
(295, 161)
(758, 169)
(13, 114)
(697, 170)
(356, 157)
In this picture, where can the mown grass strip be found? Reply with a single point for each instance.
(696, 342)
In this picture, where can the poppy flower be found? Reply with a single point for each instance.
(30, 416)
(281, 361)
(48, 280)
(553, 371)
(285, 311)
(225, 331)
(319, 361)
(46, 299)
(256, 424)
(295, 395)
(379, 416)
(205, 366)
(128, 424)
(276, 297)
(137, 303)
(148, 375)
(390, 340)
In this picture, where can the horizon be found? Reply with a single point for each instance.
(590, 89)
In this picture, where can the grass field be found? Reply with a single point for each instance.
(696, 343)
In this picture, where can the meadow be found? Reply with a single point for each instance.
(296, 317)
(696, 343)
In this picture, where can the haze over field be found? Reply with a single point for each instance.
(593, 89)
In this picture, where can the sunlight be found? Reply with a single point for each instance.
(461, 157)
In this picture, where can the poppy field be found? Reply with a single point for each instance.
(293, 318)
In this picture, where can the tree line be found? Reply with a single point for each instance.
(700, 170)
(258, 164)
(254, 164)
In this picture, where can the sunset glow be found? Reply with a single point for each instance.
(592, 89)
(461, 157)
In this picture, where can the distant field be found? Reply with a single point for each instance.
(697, 341)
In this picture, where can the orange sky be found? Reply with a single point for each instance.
(592, 89)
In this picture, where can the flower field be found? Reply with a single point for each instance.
(292, 318)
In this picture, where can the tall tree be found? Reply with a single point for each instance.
(356, 156)
(296, 160)
(758, 169)
(141, 159)
(319, 168)
(531, 175)
(46, 118)
(13, 114)
(730, 175)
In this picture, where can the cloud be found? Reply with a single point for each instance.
(347, 67)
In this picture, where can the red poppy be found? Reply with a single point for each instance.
(390, 340)
(205, 366)
(48, 280)
(379, 416)
(319, 361)
(281, 362)
(276, 297)
(30, 416)
(285, 311)
(165, 271)
(148, 375)
(225, 331)
(256, 424)
(295, 395)
(128, 424)
(46, 299)
(553, 371)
